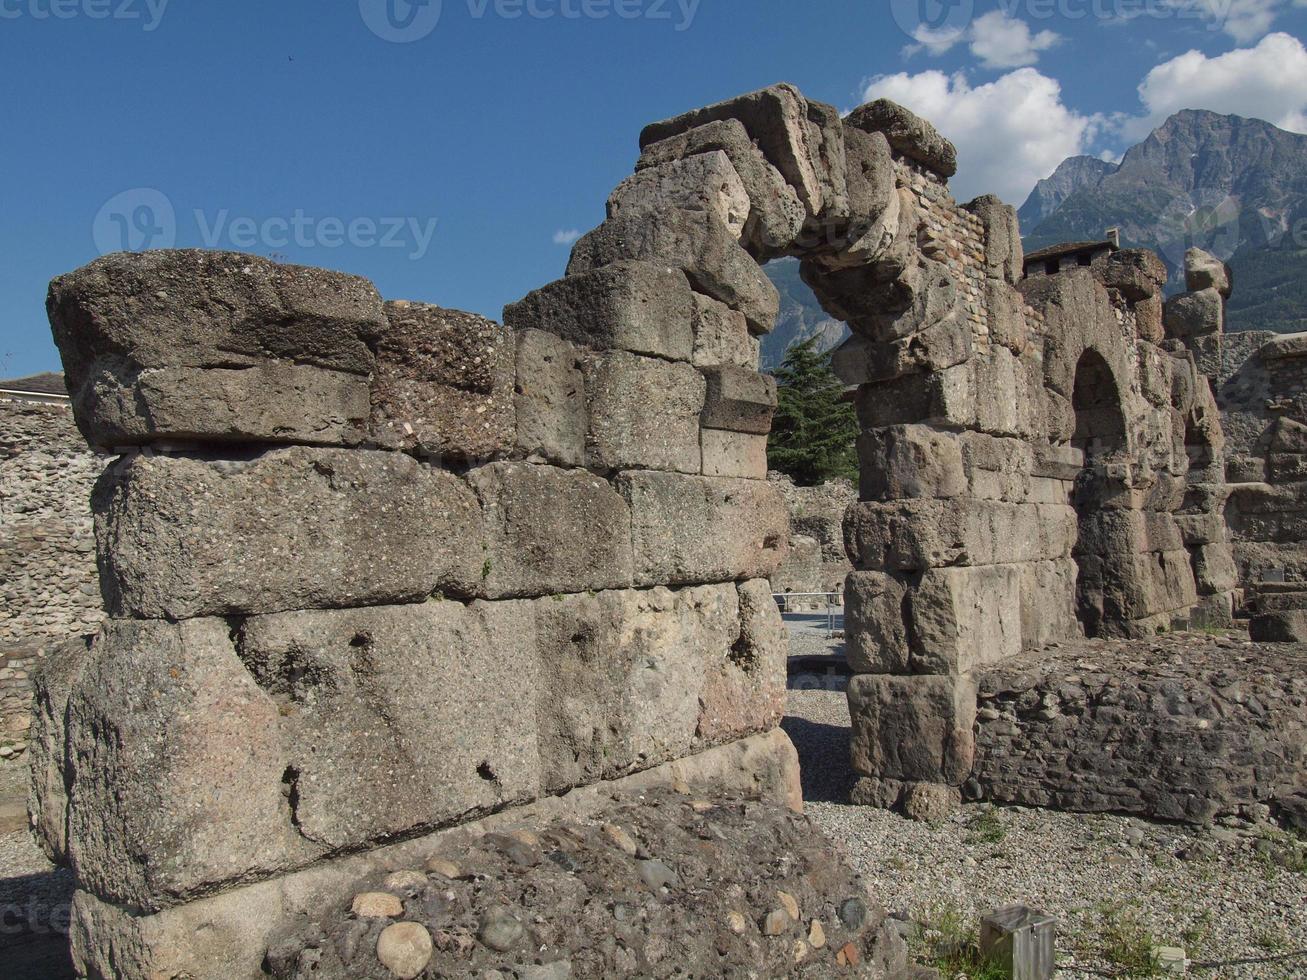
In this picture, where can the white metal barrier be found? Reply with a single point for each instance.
(834, 600)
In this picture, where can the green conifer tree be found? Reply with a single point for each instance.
(815, 431)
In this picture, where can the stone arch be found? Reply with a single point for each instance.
(1100, 427)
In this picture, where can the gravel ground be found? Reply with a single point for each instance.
(1113, 882)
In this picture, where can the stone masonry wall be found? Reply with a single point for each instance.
(381, 568)
(47, 550)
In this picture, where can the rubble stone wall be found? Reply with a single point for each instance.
(47, 549)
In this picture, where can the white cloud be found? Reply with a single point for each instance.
(1009, 133)
(996, 38)
(566, 236)
(1000, 41)
(1243, 20)
(1268, 81)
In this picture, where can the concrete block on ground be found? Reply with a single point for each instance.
(293, 528)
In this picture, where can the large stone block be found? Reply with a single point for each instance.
(643, 413)
(909, 535)
(1004, 256)
(642, 307)
(876, 624)
(550, 399)
(443, 384)
(705, 182)
(721, 336)
(399, 717)
(962, 618)
(57, 674)
(910, 461)
(1137, 273)
(801, 139)
(1214, 570)
(1047, 590)
(776, 214)
(126, 316)
(936, 347)
(739, 400)
(734, 454)
(913, 728)
(697, 243)
(549, 530)
(1203, 270)
(1194, 314)
(907, 133)
(174, 766)
(290, 529)
(687, 530)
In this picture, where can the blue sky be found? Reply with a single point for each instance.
(451, 158)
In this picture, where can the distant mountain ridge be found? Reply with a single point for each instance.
(801, 316)
(1234, 186)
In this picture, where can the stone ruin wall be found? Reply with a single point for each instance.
(816, 561)
(47, 550)
(377, 569)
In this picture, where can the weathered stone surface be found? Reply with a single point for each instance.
(1136, 272)
(739, 400)
(126, 317)
(550, 399)
(1150, 319)
(935, 348)
(776, 214)
(572, 932)
(228, 935)
(913, 728)
(642, 307)
(56, 678)
(800, 138)
(443, 384)
(1194, 314)
(384, 717)
(1214, 569)
(549, 530)
(1003, 256)
(1203, 270)
(194, 308)
(876, 624)
(1006, 316)
(734, 454)
(910, 461)
(705, 182)
(907, 133)
(687, 530)
(1047, 592)
(1279, 626)
(918, 534)
(962, 618)
(694, 241)
(870, 177)
(1191, 726)
(643, 413)
(721, 336)
(291, 528)
(271, 401)
(176, 767)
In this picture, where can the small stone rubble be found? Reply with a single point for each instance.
(662, 885)
(1187, 726)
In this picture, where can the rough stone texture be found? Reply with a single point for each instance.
(816, 514)
(961, 618)
(686, 529)
(129, 313)
(642, 307)
(876, 624)
(907, 133)
(643, 414)
(917, 729)
(739, 400)
(229, 934)
(721, 336)
(550, 530)
(1186, 727)
(696, 242)
(443, 384)
(184, 537)
(1003, 252)
(1194, 314)
(734, 454)
(705, 182)
(550, 399)
(689, 908)
(1203, 270)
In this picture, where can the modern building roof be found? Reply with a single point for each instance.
(1068, 248)
(46, 383)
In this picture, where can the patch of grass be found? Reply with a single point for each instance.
(1198, 932)
(986, 827)
(1126, 942)
(946, 941)
(1271, 940)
